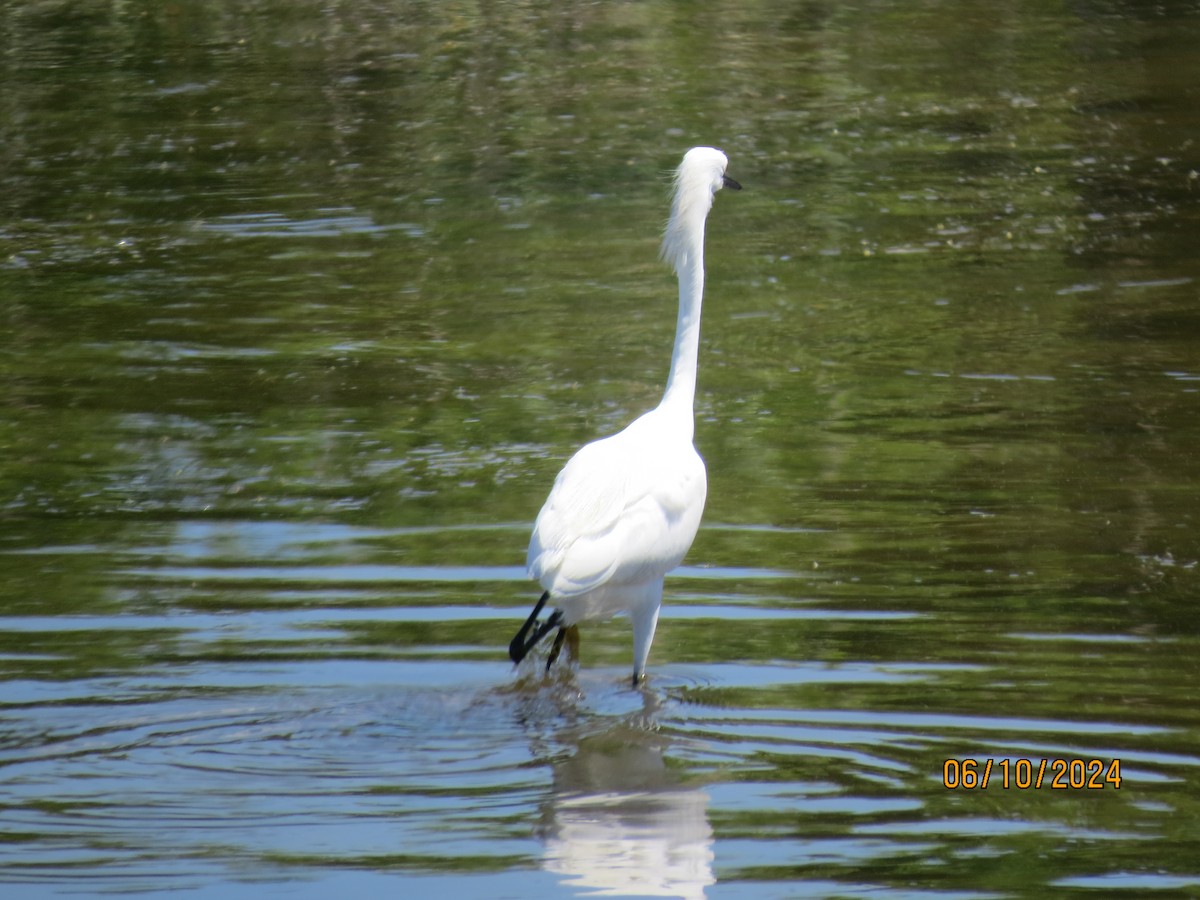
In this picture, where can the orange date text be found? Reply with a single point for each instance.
(1031, 774)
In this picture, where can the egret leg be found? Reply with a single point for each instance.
(645, 621)
(568, 634)
(519, 647)
(557, 646)
(544, 629)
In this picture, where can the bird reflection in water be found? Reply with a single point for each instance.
(621, 822)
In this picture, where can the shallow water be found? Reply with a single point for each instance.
(304, 305)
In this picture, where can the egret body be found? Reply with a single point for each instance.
(624, 509)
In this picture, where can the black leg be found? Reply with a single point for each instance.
(521, 643)
(518, 647)
(544, 629)
(554, 650)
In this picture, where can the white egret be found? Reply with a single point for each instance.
(624, 509)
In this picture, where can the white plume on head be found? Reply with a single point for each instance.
(698, 178)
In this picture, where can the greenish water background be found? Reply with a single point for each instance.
(304, 304)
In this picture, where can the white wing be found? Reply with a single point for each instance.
(623, 510)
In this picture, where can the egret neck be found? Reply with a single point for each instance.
(680, 394)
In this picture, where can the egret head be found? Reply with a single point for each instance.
(705, 165)
(697, 180)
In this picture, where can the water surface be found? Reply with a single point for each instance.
(305, 304)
